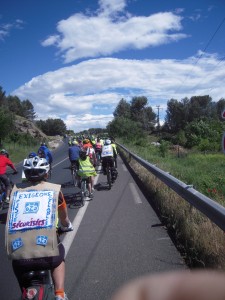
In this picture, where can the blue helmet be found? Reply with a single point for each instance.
(32, 154)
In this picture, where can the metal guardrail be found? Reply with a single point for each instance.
(213, 210)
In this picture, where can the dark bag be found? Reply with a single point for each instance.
(39, 292)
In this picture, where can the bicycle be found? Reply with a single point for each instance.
(111, 173)
(33, 281)
(3, 192)
(98, 158)
(84, 188)
(50, 171)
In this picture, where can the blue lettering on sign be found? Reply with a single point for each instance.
(16, 244)
(31, 207)
(42, 240)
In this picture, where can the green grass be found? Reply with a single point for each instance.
(204, 171)
(17, 152)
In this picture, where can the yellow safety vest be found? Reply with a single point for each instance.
(86, 168)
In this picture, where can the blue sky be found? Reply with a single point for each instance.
(75, 60)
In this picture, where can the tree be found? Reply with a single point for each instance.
(2, 97)
(124, 127)
(122, 109)
(201, 106)
(6, 123)
(14, 105)
(176, 115)
(52, 126)
(28, 110)
(142, 113)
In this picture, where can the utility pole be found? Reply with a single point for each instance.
(158, 108)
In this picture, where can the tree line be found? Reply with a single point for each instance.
(12, 106)
(195, 122)
(190, 122)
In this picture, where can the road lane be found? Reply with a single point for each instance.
(117, 237)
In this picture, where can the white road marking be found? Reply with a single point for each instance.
(137, 199)
(60, 162)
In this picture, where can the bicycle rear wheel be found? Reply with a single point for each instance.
(83, 191)
(109, 177)
(74, 176)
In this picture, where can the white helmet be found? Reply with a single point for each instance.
(36, 168)
(107, 142)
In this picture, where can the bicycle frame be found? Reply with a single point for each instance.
(74, 173)
(84, 188)
(37, 277)
(3, 193)
(109, 174)
(98, 158)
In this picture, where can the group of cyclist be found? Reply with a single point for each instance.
(87, 153)
(36, 167)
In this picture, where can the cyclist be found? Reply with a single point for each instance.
(115, 150)
(44, 152)
(26, 258)
(4, 162)
(86, 169)
(74, 154)
(108, 155)
(98, 148)
(87, 145)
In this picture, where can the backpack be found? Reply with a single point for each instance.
(39, 292)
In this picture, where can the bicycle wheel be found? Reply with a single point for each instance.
(109, 178)
(74, 176)
(83, 191)
(50, 172)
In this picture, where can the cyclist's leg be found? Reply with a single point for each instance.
(104, 163)
(6, 182)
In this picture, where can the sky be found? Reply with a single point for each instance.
(76, 59)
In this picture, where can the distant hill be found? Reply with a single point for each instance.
(25, 126)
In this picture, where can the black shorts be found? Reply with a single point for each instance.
(21, 266)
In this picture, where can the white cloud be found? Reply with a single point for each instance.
(6, 28)
(82, 36)
(85, 95)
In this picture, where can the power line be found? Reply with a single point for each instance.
(207, 45)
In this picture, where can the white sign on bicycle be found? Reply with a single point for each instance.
(32, 210)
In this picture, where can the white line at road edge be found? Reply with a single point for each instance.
(60, 162)
(70, 236)
(137, 199)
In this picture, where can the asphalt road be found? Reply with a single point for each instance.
(117, 236)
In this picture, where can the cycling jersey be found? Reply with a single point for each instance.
(4, 162)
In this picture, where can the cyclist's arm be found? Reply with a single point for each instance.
(62, 210)
(11, 165)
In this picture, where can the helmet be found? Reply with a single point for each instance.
(36, 168)
(74, 142)
(107, 142)
(43, 144)
(32, 154)
(4, 152)
(83, 154)
(86, 141)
